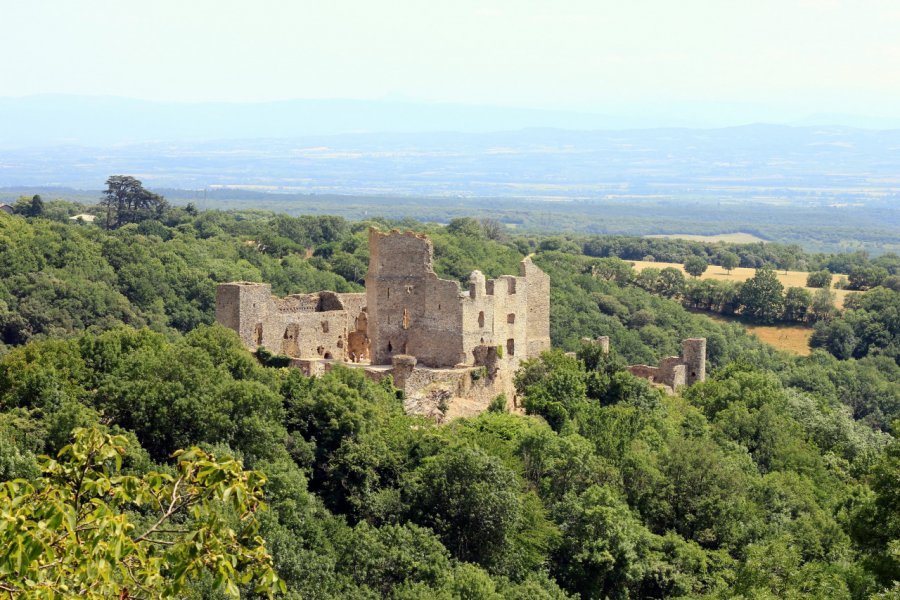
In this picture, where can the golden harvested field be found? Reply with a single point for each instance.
(791, 338)
(736, 238)
(789, 279)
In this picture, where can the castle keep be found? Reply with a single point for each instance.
(442, 345)
(411, 311)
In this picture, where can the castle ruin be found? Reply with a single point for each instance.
(442, 346)
(450, 351)
(676, 371)
(673, 371)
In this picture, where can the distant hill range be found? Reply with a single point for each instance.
(92, 121)
(50, 120)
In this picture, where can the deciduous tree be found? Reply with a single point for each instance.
(729, 261)
(71, 534)
(762, 296)
(819, 279)
(695, 266)
(797, 302)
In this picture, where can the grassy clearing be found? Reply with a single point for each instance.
(791, 338)
(740, 237)
(789, 278)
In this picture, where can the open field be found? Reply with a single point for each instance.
(788, 279)
(739, 237)
(791, 338)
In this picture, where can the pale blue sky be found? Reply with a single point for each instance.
(790, 57)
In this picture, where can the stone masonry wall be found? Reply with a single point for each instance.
(410, 310)
(301, 326)
(538, 307)
(693, 351)
(675, 371)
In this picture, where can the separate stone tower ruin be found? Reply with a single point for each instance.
(693, 353)
(676, 371)
(673, 371)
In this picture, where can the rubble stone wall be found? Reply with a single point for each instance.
(300, 326)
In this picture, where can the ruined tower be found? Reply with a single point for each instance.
(244, 307)
(538, 306)
(410, 310)
(693, 352)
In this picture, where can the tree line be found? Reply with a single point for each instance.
(867, 271)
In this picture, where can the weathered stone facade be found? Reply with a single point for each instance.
(321, 325)
(449, 350)
(411, 311)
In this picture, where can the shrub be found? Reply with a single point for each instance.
(268, 359)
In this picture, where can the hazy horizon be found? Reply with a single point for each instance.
(52, 120)
(696, 63)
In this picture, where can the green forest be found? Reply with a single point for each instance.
(144, 453)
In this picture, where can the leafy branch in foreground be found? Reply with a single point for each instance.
(84, 529)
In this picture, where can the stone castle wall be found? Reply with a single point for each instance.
(693, 351)
(321, 325)
(439, 394)
(411, 311)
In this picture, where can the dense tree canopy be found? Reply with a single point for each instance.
(776, 478)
